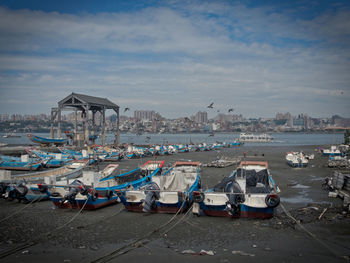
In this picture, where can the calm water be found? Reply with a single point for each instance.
(280, 139)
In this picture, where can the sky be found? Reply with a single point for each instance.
(177, 57)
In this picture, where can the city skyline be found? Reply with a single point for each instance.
(178, 57)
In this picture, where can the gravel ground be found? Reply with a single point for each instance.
(94, 234)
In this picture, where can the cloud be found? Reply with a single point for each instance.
(177, 58)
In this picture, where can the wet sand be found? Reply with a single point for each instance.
(94, 234)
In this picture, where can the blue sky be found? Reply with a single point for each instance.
(176, 57)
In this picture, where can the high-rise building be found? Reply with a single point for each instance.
(144, 115)
(201, 117)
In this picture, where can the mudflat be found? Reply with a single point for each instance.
(61, 235)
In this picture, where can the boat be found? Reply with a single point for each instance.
(333, 151)
(249, 192)
(38, 186)
(46, 141)
(11, 135)
(51, 160)
(250, 137)
(297, 159)
(19, 165)
(96, 190)
(170, 192)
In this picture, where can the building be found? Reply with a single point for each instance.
(144, 115)
(201, 117)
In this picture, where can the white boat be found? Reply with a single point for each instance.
(249, 192)
(297, 159)
(11, 135)
(333, 151)
(250, 137)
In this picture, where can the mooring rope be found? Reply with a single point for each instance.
(179, 221)
(37, 239)
(24, 207)
(106, 217)
(132, 244)
(308, 232)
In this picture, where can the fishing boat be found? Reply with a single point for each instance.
(250, 137)
(51, 160)
(20, 165)
(38, 186)
(249, 192)
(296, 159)
(46, 141)
(96, 190)
(333, 151)
(11, 135)
(166, 193)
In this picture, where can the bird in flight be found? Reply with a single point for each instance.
(211, 105)
(126, 109)
(229, 110)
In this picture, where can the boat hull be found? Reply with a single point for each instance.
(159, 208)
(244, 211)
(90, 204)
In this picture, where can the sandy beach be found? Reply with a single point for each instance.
(95, 234)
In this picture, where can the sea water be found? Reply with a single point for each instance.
(279, 139)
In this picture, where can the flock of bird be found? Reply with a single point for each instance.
(210, 106)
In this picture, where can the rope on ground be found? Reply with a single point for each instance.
(308, 232)
(24, 207)
(106, 217)
(179, 221)
(39, 238)
(132, 244)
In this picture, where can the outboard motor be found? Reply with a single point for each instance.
(18, 192)
(43, 188)
(75, 187)
(234, 199)
(3, 188)
(152, 194)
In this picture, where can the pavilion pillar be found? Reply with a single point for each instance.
(59, 134)
(86, 126)
(75, 135)
(104, 126)
(93, 131)
(116, 133)
(52, 132)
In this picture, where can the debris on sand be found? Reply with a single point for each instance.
(207, 252)
(188, 251)
(223, 162)
(238, 252)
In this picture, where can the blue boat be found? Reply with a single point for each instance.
(249, 192)
(46, 141)
(19, 165)
(105, 184)
(170, 192)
